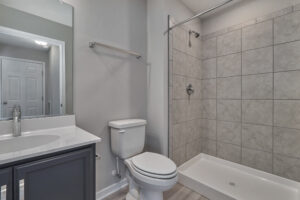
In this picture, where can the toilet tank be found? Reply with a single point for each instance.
(127, 137)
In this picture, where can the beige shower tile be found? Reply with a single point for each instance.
(193, 67)
(286, 167)
(287, 85)
(287, 28)
(258, 35)
(257, 137)
(209, 67)
(209, 129)
(192, 130)
(258, 86)
(179, 62)
(287, 56)
(179, 156)
(229, 88)
(179, 87)
(286, 142)
(179, 135)
(257, 159)
(209, 147)
(179, 113)
(209, 109)
(180, 39)
(229, 65)
(258, 111)
(229, 152)
(229, 110)
(193, 149)
(257, 61)
(209, 48)
(229, 43)
(287, 113)
(208, 89)
(229, 132)
(193, 109)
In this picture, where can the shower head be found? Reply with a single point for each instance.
(196, 34)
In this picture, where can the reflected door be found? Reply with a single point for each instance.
(22, 84)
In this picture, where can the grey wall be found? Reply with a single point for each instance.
(109, 85)
(18, 20)
(53, 86)
(251, 93)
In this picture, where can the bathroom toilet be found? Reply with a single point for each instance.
(149, 174)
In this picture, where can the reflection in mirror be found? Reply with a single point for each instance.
(36, 46)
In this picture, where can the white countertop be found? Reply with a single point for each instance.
(37, 143)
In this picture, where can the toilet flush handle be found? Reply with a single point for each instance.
(122, 131)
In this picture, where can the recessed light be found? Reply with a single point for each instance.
(42, 43)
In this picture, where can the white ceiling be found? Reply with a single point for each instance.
(20, 42)
(202, 5)
(199, 5)
(49, 9)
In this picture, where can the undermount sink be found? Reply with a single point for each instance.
(25, 142)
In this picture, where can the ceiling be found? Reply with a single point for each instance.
(199, 5)
(20, 42)
(202, 5)
(52, 10)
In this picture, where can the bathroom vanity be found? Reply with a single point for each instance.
(63, 175)
(49, 164)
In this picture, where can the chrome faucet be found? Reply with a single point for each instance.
(17, 121)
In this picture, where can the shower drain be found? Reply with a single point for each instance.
(232, 184)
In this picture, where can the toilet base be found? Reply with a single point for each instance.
(150, 195)
(136, 193)
(145, 195)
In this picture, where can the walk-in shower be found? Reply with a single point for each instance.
(234, 94)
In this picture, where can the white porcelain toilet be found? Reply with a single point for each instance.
(148, 174)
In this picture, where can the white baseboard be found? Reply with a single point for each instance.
(111, 189)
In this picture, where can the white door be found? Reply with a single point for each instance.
(22, 84)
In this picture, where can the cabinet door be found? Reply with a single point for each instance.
(6, 184)
(66, 177)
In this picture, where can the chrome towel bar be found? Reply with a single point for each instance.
(93, 44)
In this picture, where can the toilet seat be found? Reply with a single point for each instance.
(154, 165)
(148, 181)
(150, 175)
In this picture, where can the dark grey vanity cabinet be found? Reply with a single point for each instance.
(6, 184)
(66, 176)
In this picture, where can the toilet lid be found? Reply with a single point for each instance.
(154, 163)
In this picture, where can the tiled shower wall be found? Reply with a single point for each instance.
(184, 112)
(246, 106)
(251, 93)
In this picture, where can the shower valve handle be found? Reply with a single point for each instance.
(190, 90)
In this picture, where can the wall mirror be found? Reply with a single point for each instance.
(36, 58)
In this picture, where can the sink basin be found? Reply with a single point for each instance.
(25, 142)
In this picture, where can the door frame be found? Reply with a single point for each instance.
(62, 59)
(23, 60)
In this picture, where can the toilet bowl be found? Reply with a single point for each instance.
(148, 174)
(152, 174)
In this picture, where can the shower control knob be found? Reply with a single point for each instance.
(190, 90)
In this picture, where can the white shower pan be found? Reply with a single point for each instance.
(219, 179)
